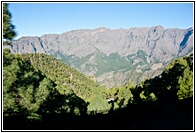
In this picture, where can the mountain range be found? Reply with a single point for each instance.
(113, 57)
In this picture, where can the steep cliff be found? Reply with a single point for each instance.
(113, 57)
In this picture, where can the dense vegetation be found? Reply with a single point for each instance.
(29, 93)
(8, 28)
(109, 63)
(69, 80)
(37, 85)
(41, 92)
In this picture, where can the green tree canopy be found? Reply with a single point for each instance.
(28, 93)
(8, 28)
(176, 82)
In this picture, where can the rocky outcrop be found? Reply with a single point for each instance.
(113, 56)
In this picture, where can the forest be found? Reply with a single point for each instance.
(43, 93)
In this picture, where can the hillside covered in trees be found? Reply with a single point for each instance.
(41, 92)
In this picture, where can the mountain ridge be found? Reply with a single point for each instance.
(105, 53)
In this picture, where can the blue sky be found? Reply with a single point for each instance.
(36, 19)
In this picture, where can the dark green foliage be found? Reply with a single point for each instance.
(176, 82)
(154, 115)
(120, 97)
(24, 89)
(38, 88)
(28, 93)
(8, 28)
(67, 79)
(45, 92)
(178, 78)
(63, 104)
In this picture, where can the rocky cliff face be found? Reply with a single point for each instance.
(113, 56)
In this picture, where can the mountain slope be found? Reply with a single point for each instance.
(113, 56)
(67, 79)
(29, 93)
(33, 97)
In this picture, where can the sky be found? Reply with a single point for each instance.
(37, 19)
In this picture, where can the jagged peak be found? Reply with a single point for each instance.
(155, 28)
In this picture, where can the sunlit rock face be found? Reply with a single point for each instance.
(113, 57)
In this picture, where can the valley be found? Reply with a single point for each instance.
(113, 57)
(134, 79)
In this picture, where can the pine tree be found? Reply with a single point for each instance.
(176, 82)
(8, 28)
(185, 84)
